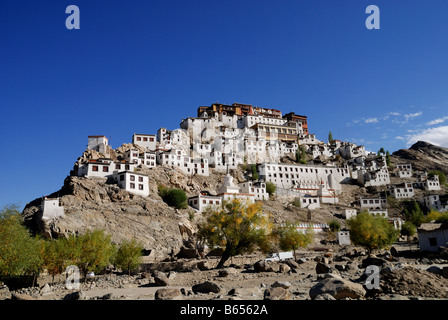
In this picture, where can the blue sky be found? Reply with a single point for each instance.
(135, 66)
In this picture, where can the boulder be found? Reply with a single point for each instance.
(324, 296)
(322, 268)
(5, 294)
(373, 261)
(284, 268)
(187, 253)
(281, 284)
(206, 287)
(77, 295)
(160, 279)
(338, 288)
(19, 296)
(168, 294)
(276, 293)
(226, 272)
(265, 266)
(435, 270)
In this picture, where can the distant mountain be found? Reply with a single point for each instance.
(423, 156)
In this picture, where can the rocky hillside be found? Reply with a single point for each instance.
(423, 156)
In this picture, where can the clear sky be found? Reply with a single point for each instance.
(135, 66)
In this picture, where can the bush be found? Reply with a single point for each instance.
(129, 255)
(371, 232)
(19, 250)
(270, 188)
(291, 239)
(173, 197)
(334, 225)
(237, 227)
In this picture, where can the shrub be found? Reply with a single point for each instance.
(270, 188)
(20, 252)
(173, 197)
(129, 255)
(371, 232)
(237, 227)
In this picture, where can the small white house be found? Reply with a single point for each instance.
(373, 203)
(401, 191)
(435, 202)
(51, 208)
(343, 237)
(404, 170)
(98, 143)
(428, 183)
(147, 141)
(256, 188)
(432, 235)
(205, 200)
(349, 213)
(134, 182)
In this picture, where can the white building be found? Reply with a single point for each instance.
(178, 158)
(256, 188)
(428, 183)
(373, 172)
(226, 192)
(349, 213)
(147, 141)
(103, 168)
(205, 201)
(404, 190)
(303, 178)
(98, 143)
(309, 202)
(134, 182)
(375, 203)
(348, 150)
(434, 202)
(404, 170)
(431, 236)
(343, 237)
(51, 208)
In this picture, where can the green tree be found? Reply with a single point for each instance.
(413, 213)
(334, 225)
(381, 151)
(20, 252)
(408, 229)
(330, 138)
(289, 238)
(270, 188)
(371, 231)
(96, 251)
(254, 173)
(301, 155)
(388, 158)
(237, 227)
(129, 255)
(173, 197)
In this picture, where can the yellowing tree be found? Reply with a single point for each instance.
(289, 238)
(371, 231)
(238, 227)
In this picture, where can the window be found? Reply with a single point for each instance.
(122, 178)
(432, 242)
(105, 169)
(94, 168)
(132, 178)
(145, 139)
(140, 179)
(132, 185)
(140, 187)
(118, 166)
(139, 139)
